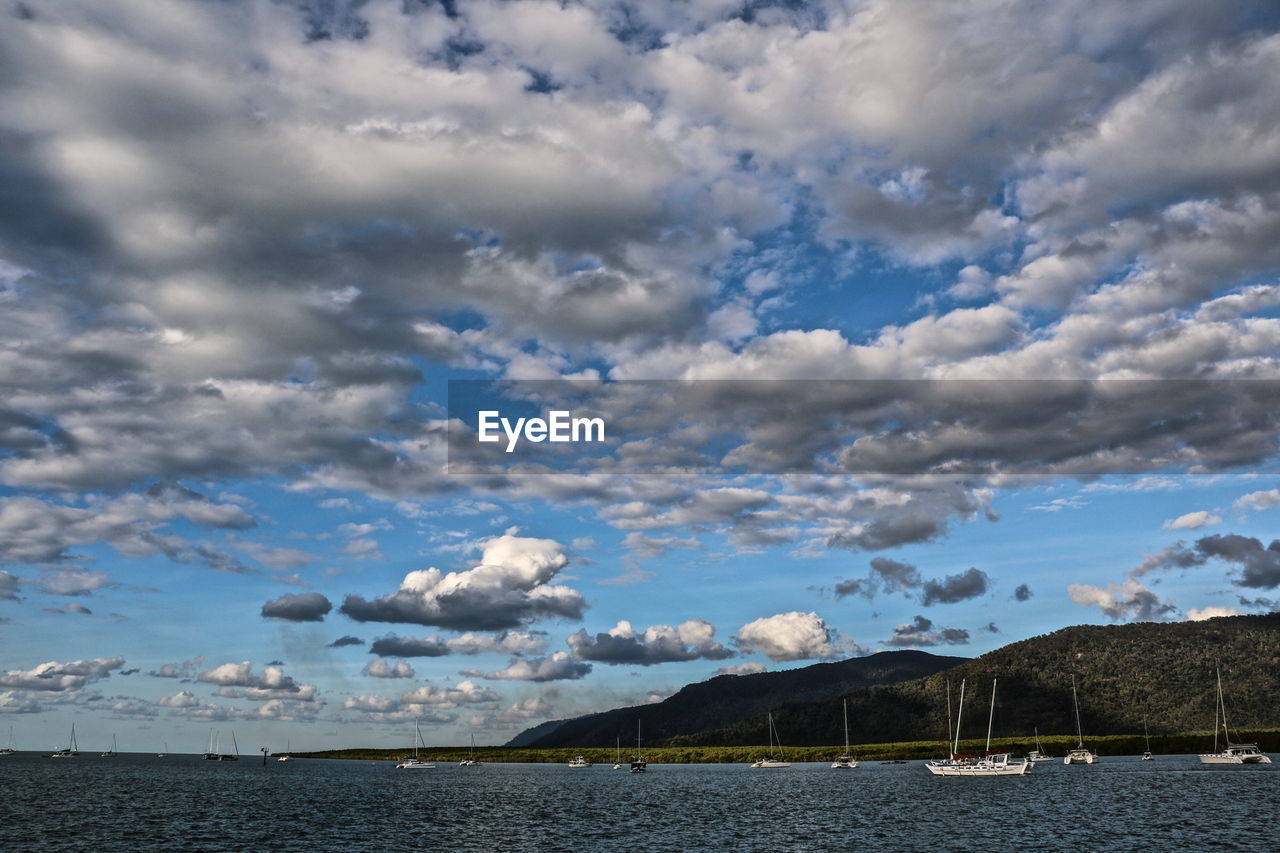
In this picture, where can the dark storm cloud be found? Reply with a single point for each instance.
(393, 646)
(968, 584)
(889, 533)
(1259, 566)
(920, 632)
(1022, 592)
(346, 640)
(691, 640)
(298, 607)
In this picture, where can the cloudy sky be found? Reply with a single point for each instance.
(246, 246)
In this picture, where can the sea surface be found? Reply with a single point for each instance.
(145, 803)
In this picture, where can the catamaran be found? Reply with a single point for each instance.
(988, 764)
(72, 750)
(412, 762)
(845, 761)
(111, 753)
(1038, 754)
(640, 764)
(774, 760)
(1233, 753)
(1079, 755)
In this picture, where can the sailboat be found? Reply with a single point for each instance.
(72, 750)
(232, 756)
(1233, 753)
(845, 761)
(1079, 755)
(470, 760)
(1147, 756)
(772, 762)
(288, 747)
(164, 754)
(989, 764)
(617, 753)
(1038, 754)
(111, 753)
(211, 754)
(9, 750)
(639, 765)
(412, 762)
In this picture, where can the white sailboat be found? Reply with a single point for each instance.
(845, 761)
(164, 754)
(413, 762)
(9, 750)
(235, 754)
(617, 753)
(1233, 753)
(72, 750)
(470, 760)
(288, 748)
(211, 754)
(111, 753)
(990, 764)
(1038, 754)
(1079, 755)
(1147, 756)
(640, 764)
(775, 760)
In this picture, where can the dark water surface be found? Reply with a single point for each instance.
(144, 803)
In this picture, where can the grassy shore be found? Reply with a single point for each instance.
(1192, 742)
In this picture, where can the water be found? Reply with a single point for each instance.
(143, 803)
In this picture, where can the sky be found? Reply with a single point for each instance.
(974, 306)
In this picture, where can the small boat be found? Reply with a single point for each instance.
(1147, 756)
(845, 761)
(413, 762)
(231, 756)
(640, 764)
(288, 747)
(988, 764)
(9, 750)
(470, 760)
(164, 754)
(579, 762)
(617, 754)
(775, 760)
(72, 750)
(111, 753)
(1079, 755)
(1038, 754)
(1232, 753)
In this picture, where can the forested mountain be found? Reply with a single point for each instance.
(1161, 674)
(728, 699)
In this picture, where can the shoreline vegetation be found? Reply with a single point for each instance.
(1268, 740)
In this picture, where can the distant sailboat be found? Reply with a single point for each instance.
(72, 750)
(288, 747)
(211, 754)
(989, 764)
(1147, 756)
(9, 750)
(775, 759)
(231, 756)
(111, 753)
(164, 754)
(579, 762)
(1079, 755)
(845, 761)
(1233, 753)
(617, 753)
(413, 762)
(640, 764)
(470, 760)
(1038, 754)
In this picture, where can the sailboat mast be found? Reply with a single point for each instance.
(1075, 700)
(845, 703)
(991, 715)
(1226, 733)
(948, 710)
(959, 713)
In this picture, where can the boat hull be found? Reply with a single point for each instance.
(978, 768)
